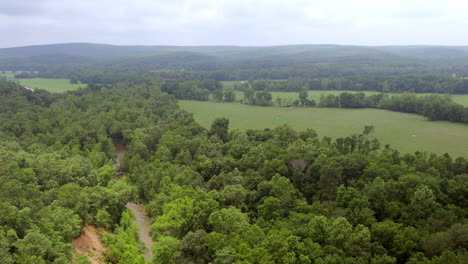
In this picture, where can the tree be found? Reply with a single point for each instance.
(330, 178)
(303, 97)
(226, 255)
(220, 127)
(59, 221)
(166, 250)
(229, 95)
(234, 195)
(423, 204)
(279, 101)
(218, 94)
(249, 95)
(194, 248)
(310, 102)
(263, 98)
(228, 220)
(34, 244)
(270, 208)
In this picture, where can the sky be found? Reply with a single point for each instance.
(234, 22)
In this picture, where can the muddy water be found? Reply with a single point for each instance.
(144, 225)
(142, 221)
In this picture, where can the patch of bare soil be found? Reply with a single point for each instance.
(89, 244)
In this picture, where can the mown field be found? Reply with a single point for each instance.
(406, 132)
(7, 74)
(51, 85)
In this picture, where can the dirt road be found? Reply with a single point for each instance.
(143, 222)
(144, 225)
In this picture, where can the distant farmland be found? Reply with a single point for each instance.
(405, 132)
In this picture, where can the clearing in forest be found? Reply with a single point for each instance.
(405, 132)
(51, 85)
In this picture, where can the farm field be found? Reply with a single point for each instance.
(289, 97)
(405, 132)
(461, 99)
(7, 74)
(51, 85)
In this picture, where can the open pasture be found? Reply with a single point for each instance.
(51, 85)
(405, 132)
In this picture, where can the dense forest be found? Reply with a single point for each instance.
(215, 195)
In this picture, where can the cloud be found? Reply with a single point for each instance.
(20, 7)
(241, 22)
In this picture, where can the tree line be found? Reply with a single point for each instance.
(387, 84)
(433, 107)
(382, 83)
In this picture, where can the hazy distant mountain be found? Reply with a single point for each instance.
(351, 60)
(102, 50)
(90, 49)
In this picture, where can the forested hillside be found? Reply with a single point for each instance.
(215, 195)
(236, 63)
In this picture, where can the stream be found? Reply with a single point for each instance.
(143, 222)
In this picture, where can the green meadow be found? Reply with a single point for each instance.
(7, 74)
(461, 99)
(51, 85)
(405, 132)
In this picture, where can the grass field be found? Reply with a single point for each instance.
(289, 97)
(229, 84)
(51, 85)
(405, 132)
(461, 99)
(7, 74)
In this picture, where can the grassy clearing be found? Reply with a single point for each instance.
(461, 99)
(51, 85)
(229, 84)
(406, 132)
(8, 74)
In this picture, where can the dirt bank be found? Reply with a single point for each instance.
(89, 244)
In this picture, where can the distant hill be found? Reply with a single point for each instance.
(262, 62)
(103, 50)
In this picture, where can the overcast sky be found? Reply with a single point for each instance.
(234, 22)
